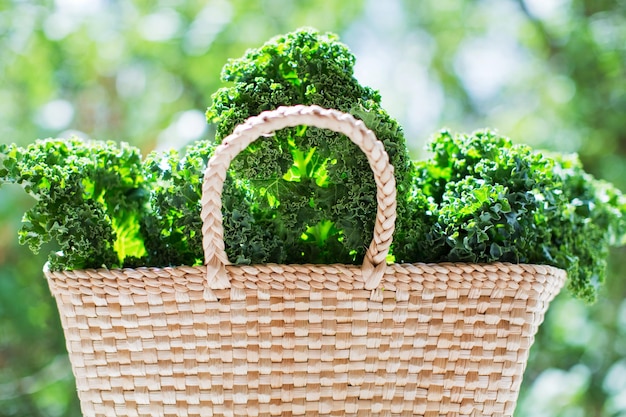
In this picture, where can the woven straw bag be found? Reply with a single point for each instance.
(302, 340)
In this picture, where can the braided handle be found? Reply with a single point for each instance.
(266, 123)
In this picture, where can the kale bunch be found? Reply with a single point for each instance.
(480, 198)
(89, 198)
(103, 206)
(172, 223)
(314, 186)
(591, 219)
(306, 195)
(482, 207)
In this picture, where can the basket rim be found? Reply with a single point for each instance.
(477, 266)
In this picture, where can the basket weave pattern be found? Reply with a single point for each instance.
(303, 340)
(439, 339)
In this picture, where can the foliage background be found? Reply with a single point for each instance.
(550, 73)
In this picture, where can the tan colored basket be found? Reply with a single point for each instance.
(302, 340)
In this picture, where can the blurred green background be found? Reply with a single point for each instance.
(550, 73)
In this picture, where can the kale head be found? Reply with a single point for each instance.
(480, 198)
(314, 186)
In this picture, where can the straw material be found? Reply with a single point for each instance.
(302, 340)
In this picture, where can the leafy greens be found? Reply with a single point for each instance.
(307, 195)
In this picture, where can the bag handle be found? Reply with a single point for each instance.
(267, 123)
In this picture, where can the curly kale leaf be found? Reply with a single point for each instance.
(314, 186)
(88, 199)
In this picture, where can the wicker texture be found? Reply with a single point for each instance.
(302, 340)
